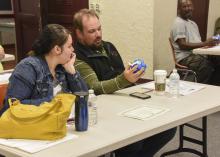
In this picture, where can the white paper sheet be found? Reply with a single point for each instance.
(144, 112)
(185, 87)
(215, 48)
(4, 77)
(33, 146)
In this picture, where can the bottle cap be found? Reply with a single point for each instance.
(82, 93)
(174, 70)
(160, 72)
(91, 91)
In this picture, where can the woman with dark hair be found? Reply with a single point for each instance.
(48, 70)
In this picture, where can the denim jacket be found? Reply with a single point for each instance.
(32, 83)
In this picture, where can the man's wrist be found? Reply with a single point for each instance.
(73, 76)
(123, 82)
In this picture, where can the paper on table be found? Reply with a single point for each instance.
(144, 112)
(33, 146)
(185, 88)
(215, 50)
(4, 77)
(214, 47)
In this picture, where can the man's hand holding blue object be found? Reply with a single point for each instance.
(216, 37)
(139, 63)
(134, 71)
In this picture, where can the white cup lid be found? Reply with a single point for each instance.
(160, 72)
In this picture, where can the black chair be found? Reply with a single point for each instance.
(203, 129)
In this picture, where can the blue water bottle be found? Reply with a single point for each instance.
(81, 111)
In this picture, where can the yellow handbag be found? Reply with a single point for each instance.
(44, 122)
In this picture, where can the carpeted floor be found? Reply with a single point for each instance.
(213, 138)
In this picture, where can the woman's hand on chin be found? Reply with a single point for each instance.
(69, 66)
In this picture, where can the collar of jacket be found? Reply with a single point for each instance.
(88, 52)
(59, 69)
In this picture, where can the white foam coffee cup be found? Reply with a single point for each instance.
(160, 81)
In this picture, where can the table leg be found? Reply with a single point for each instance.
(183, 138)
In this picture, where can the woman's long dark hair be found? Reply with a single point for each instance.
(52, 34)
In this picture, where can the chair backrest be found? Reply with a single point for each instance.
(181, 68)
(3, 89)
(177, 65)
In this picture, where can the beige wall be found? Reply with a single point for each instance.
(140, 29)
(129, 25)
(164, 13)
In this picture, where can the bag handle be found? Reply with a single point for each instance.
(57, 103)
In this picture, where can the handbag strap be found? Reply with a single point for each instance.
(56, 104)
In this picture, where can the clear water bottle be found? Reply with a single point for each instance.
(174, 80)
(92, 108)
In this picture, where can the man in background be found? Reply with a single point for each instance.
(185, 37)
(101, 66)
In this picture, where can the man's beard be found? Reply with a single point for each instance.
(96, 46)
(189, 15)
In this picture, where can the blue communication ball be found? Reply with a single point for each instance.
(216, 37)
(140, 63)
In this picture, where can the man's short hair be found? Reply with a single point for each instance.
(77, 18)
(180, 2)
